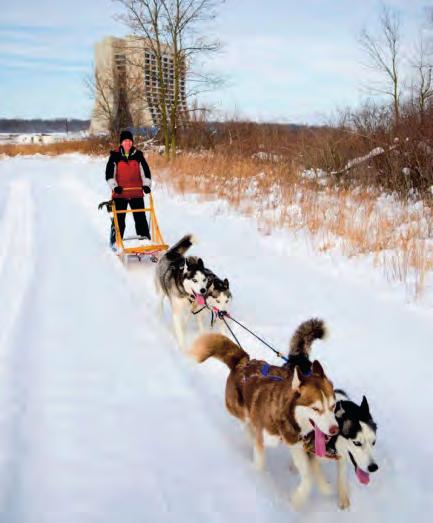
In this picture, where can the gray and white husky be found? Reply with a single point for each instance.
(182, 280)
(357, 430)
(218, 297)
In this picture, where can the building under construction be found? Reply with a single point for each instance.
(128, 86)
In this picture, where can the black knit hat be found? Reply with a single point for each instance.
(126, 135)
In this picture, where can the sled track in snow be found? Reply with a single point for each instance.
(16, 253)
(16, 274)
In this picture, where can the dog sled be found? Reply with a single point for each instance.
(130, 246)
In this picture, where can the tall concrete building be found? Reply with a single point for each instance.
(127, 86)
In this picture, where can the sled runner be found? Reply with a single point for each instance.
(125, 246)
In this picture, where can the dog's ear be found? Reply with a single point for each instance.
(317, 369)
(296, 380)
(200, 264)
(347, 425)
(226, 283)
(339, 412)
(365, 407)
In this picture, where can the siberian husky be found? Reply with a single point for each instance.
(276, 404)
(354, 443)
(218, 295)
(182, 280)
(357, 431)
(217, 299)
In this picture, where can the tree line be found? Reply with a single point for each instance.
(41, 125)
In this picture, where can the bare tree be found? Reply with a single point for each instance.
(383, 55)
(115, 98)
(101, 88)
(422, 85)
(184, 20)
(174, 27)
(144, 18)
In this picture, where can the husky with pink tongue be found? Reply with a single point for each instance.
(320, 415)
(356, 435)
(278, 405)
(354, 443)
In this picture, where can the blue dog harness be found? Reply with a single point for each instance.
(265, 373)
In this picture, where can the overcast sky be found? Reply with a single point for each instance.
(284, 60)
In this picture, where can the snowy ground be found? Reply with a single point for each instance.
(102, 419)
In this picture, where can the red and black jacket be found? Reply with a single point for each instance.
(127, 172)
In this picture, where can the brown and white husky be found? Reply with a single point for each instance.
(277, 405)
(357, 430)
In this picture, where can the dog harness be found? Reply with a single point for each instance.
(265, 373)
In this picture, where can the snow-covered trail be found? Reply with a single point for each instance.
(16, 233)
(103, 419)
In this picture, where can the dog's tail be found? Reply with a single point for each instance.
(220, 347)
(180, 248)
(340, 395)
(305, 334)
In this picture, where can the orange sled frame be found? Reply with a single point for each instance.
(156, 245)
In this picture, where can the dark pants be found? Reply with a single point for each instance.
(141, 226)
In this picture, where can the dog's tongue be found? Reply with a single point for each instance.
(363, 477)
(199, 298)
(319, 442)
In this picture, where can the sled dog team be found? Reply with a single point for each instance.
(295, 404)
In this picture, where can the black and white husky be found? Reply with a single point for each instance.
(354, 443)
(357, 431)
(182, 280)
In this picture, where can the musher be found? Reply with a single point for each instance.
(128, 175)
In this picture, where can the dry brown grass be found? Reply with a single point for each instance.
(222, 175)
(92, 147)
(393, 232)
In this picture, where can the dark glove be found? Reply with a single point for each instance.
(118, 189)
(107, 205)
(146, 189)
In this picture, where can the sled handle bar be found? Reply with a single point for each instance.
(133, 210)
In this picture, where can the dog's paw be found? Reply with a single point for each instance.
(298, 498)
(344, 502)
